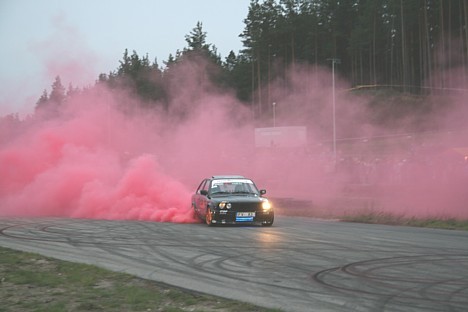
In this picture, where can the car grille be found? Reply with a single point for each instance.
(246, 206)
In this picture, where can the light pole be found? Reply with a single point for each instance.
(334, 61)
(274, 114)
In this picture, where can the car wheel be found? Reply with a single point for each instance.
(209, 217)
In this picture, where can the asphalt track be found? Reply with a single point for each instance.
(298, 264)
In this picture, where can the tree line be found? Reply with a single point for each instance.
(410, 45)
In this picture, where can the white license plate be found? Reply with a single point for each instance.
(246, 214)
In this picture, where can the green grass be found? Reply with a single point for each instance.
(391, 219)
(30, 282)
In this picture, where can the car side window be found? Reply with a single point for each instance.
(206, 186)
(200, 187)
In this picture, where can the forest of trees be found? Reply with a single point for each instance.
(409, 45)
(378, 41)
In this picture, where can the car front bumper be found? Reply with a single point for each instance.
(237, 217)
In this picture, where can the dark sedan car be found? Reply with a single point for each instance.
(231, 200)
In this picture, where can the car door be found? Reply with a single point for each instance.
(203, 199)
(199, 199)
(196, 198)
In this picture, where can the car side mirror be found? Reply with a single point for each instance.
(262, 192)
(204, 192)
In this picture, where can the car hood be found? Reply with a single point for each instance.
(238, 199)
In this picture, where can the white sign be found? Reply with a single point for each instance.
(281, 137)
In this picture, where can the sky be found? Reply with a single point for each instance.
(80, 39)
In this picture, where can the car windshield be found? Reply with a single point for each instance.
(233, 186)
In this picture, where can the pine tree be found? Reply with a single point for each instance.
(197, 39)
(42, 100)
(57, 95)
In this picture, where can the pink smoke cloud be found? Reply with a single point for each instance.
(100, 159)
(68, 167)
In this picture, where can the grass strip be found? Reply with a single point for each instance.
(391, 219)
(31, 282)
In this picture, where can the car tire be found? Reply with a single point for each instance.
(209, 217)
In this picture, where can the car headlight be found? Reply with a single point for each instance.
(224, 204)
(266, 205)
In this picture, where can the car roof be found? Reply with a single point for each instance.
(228, 177)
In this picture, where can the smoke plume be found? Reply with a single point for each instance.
(105, 155)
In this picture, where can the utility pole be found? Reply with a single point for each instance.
(274, 114)
(334, 61)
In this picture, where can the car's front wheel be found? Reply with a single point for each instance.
(209, 217)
